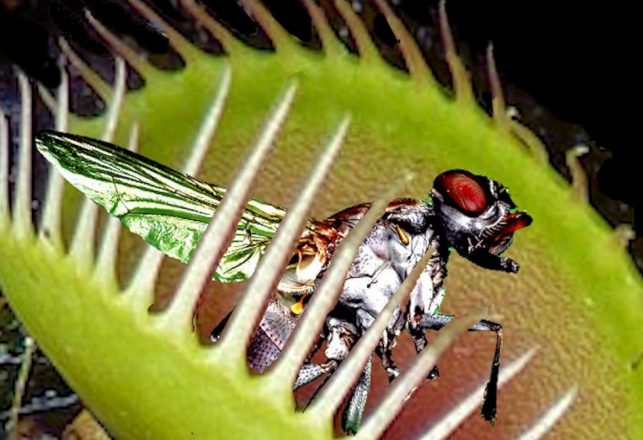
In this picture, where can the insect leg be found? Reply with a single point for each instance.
(436, 322)
(425, 299)
(494, 262)
(310, 371)
(341, 334)
(419, 339)
(368, 295)
(385, 346)
(384, 351)
(354, 410)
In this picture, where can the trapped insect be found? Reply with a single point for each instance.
(472, 214)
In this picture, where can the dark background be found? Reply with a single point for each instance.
(569, 69)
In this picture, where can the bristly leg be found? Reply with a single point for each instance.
(310, 372)
(491, 391)
(419, 340)
(354, 410)
(488, 412)
(384, 351)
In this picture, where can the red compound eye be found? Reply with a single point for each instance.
(465, 192)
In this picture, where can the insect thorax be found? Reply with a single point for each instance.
(394, 246)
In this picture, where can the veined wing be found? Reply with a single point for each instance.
(169, 209)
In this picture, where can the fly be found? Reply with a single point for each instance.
(171, 211)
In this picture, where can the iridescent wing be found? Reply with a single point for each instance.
(169, 209)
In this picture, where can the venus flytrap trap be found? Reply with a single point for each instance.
(472, 214)
(144, 375)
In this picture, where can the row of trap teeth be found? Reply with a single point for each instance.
(177, 319)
